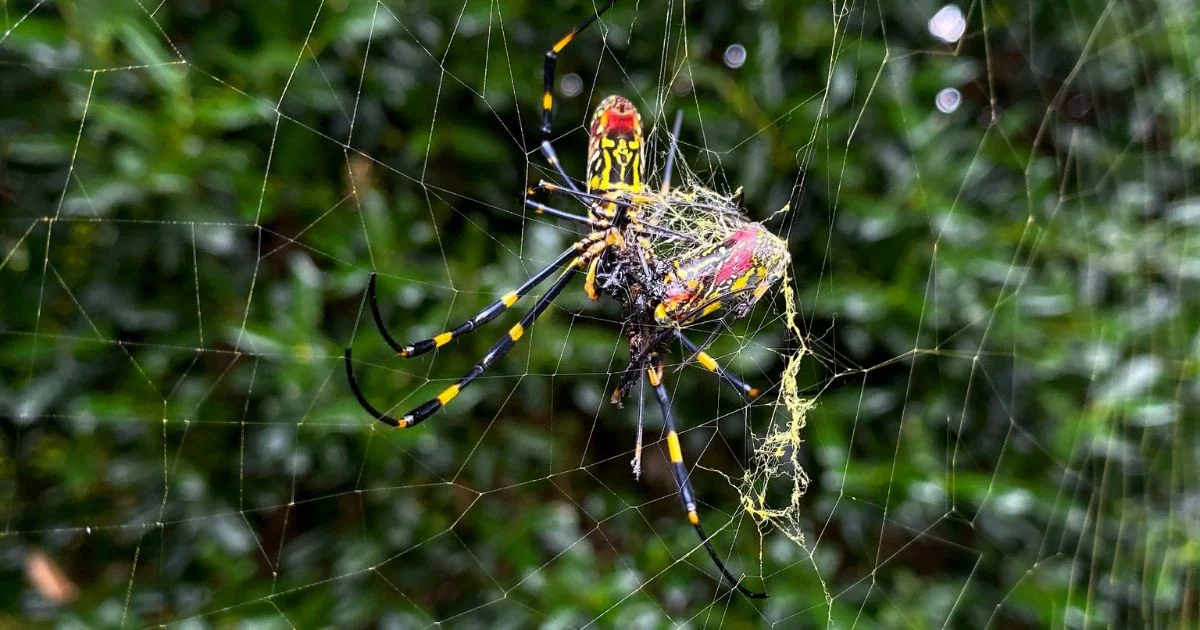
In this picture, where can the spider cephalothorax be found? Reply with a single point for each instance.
(672, 258)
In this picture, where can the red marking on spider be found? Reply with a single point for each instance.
(619, 123)
(619, 117)
(741, 254)
(677, 294)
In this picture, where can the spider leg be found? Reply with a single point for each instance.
(686, 495)
(498, 350)
(589, 282)
(637, 365)
(552, 61)
(589, 198)
(629, 202)
(632, 198)
(490, 312)
(552, 158)
(637, 448)
(666, 182)
(710, 364)
(542, 208)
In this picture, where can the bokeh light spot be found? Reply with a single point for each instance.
(948, 24)
(735, 56)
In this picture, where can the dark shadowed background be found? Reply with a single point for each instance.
(996, 248)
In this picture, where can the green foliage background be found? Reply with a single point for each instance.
(1001, 303)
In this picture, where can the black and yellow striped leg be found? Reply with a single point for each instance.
(686, 495)
(492, 311)
(552, 61)
(710, 364)
(419, 414)
(637, 364)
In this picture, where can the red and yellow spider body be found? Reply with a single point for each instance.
(615, 162)
(727, 277)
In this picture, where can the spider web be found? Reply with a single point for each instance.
(984, 356)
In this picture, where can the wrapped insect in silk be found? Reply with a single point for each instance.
(726, 279)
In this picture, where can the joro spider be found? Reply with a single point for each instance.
(671, 257)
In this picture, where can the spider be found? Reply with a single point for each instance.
(672, 257)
